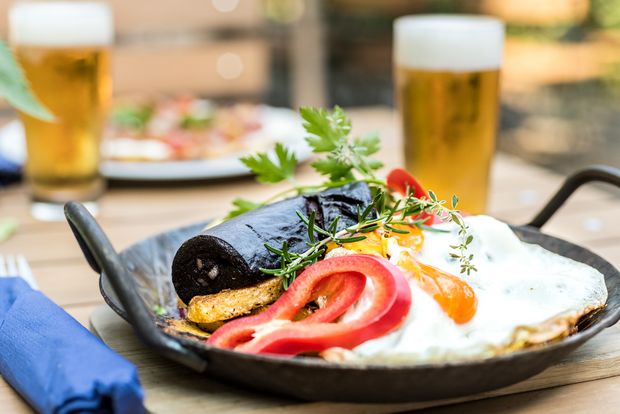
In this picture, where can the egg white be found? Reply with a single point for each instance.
(517, 285)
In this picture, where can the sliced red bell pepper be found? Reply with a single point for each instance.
(341, 291)
(400, 181)
(342, 281)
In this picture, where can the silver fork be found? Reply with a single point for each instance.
(17, 266)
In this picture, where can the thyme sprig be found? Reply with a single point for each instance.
(436, 206)
(387, 216)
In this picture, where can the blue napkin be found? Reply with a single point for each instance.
(56, 364)
(10, 172)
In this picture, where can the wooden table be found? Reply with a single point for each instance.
(131, 213)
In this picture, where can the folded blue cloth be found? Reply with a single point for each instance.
(56, 364)
(10, 172)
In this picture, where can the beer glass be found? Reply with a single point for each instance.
(63, 48)
(447, 80)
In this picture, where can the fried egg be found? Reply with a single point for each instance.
(521, 295)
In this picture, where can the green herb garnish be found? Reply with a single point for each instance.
(134, 116)
(242, 206)
(268, 171)
(192, 121)
(8, 226)
(159, 310)
(330, 134)
(346, 160)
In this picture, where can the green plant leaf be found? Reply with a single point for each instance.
(133, 116)
(8, 226)
(367, 144)
(242, 206)
(268, 171)
(14, 87)
(333, 168)
(328, 129)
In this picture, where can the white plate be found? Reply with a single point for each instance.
(279, 125)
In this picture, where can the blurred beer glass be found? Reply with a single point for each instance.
(447, 88)
(63, 48)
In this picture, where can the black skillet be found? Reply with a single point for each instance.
(136, 284)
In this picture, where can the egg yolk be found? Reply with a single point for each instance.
(455, 296)
(413, 240)
(376, 242)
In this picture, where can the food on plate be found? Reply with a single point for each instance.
(339, 281)
(361, 269)
(183, 128)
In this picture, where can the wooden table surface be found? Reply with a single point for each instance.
(131, 213)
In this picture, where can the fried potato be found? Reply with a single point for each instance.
(182, 328)
(227, 304)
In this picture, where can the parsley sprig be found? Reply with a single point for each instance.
(346, 159)
(330, 134)
(270, 171)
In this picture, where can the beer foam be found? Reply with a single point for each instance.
(448, 42)
(58, 24)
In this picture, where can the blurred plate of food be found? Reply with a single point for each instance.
(182, 138)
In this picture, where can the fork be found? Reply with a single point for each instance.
(17, 266)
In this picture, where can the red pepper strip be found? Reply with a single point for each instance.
(390, 305)
(341, 291)
(399, 180)
(391, 300)
(339, 295)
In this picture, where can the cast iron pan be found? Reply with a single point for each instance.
(136, 284)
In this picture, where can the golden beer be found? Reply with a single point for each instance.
(63, 156)
(63, 48)
(449, 121)
(447, 90)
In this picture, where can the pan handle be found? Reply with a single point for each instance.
(102, 258)
(600, 173)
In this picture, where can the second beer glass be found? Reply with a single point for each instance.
(63, 48)
(447, 82)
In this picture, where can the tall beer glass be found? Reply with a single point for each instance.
(63, 48)
(447, 81)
